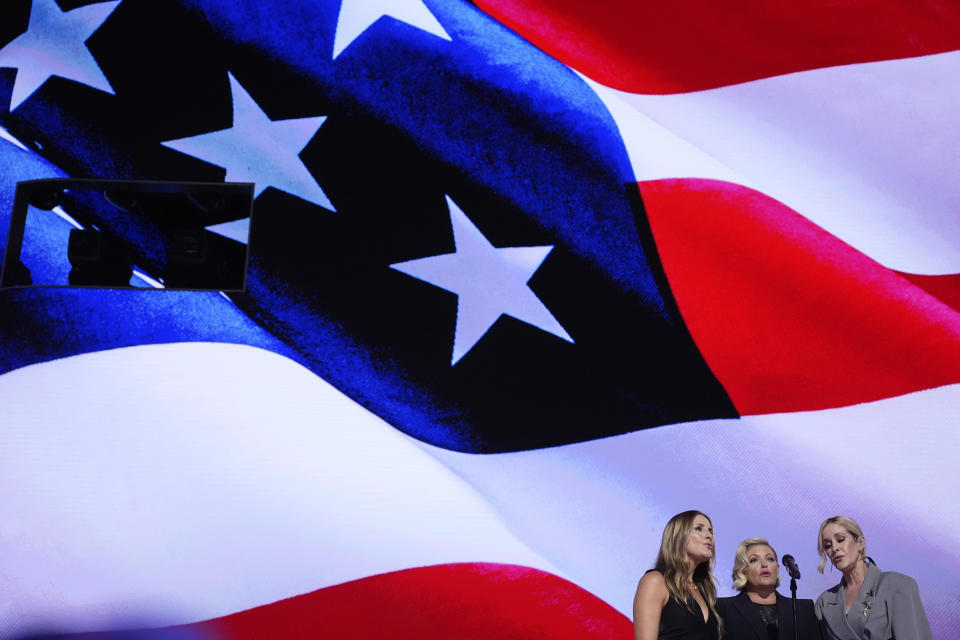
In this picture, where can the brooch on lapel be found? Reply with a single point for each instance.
(867, 603)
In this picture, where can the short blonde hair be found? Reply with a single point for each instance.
(740, 561)
(852, 528)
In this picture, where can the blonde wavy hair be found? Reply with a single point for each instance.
(852, 528)
(740, 561)
(672, 561)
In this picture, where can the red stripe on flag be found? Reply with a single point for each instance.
(788, 317)
(482, 601)
(674, 47)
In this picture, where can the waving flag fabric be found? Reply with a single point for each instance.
(526, 278)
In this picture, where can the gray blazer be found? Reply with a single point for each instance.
(888, 606)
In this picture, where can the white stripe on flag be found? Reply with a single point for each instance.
(172, 483)
(867, 151)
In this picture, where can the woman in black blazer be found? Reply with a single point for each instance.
(759, 612)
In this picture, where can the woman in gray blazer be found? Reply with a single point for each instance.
(868, 603)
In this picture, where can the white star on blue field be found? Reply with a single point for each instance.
(54, 45)
(356, 16)
(489, 282)
(259, 150)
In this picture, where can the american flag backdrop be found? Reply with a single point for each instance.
(525, 279)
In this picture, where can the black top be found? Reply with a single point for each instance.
(769, 614)
(679, 623)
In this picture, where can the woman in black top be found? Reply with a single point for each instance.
(676, 600)
(759, 612)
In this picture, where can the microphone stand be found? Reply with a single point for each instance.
(793, 597)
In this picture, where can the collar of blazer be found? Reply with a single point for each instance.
(836, 594)
(751, 614)
(851, 626)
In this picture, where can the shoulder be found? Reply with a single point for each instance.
(829, 597)
(651, 590)
(729, 607)
(830, 594)
(801, 602)
(894, 581)
(653, 577)
(896, 577)
(804, 604)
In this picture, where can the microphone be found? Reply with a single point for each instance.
(791, 566)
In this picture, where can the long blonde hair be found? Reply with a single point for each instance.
(672, 562)
(852, 528)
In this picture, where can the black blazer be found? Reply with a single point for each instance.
(742, 621)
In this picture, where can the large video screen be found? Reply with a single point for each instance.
(522, 280)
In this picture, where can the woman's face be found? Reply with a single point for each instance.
(700, 540)
(841, 546)
(762, 570)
